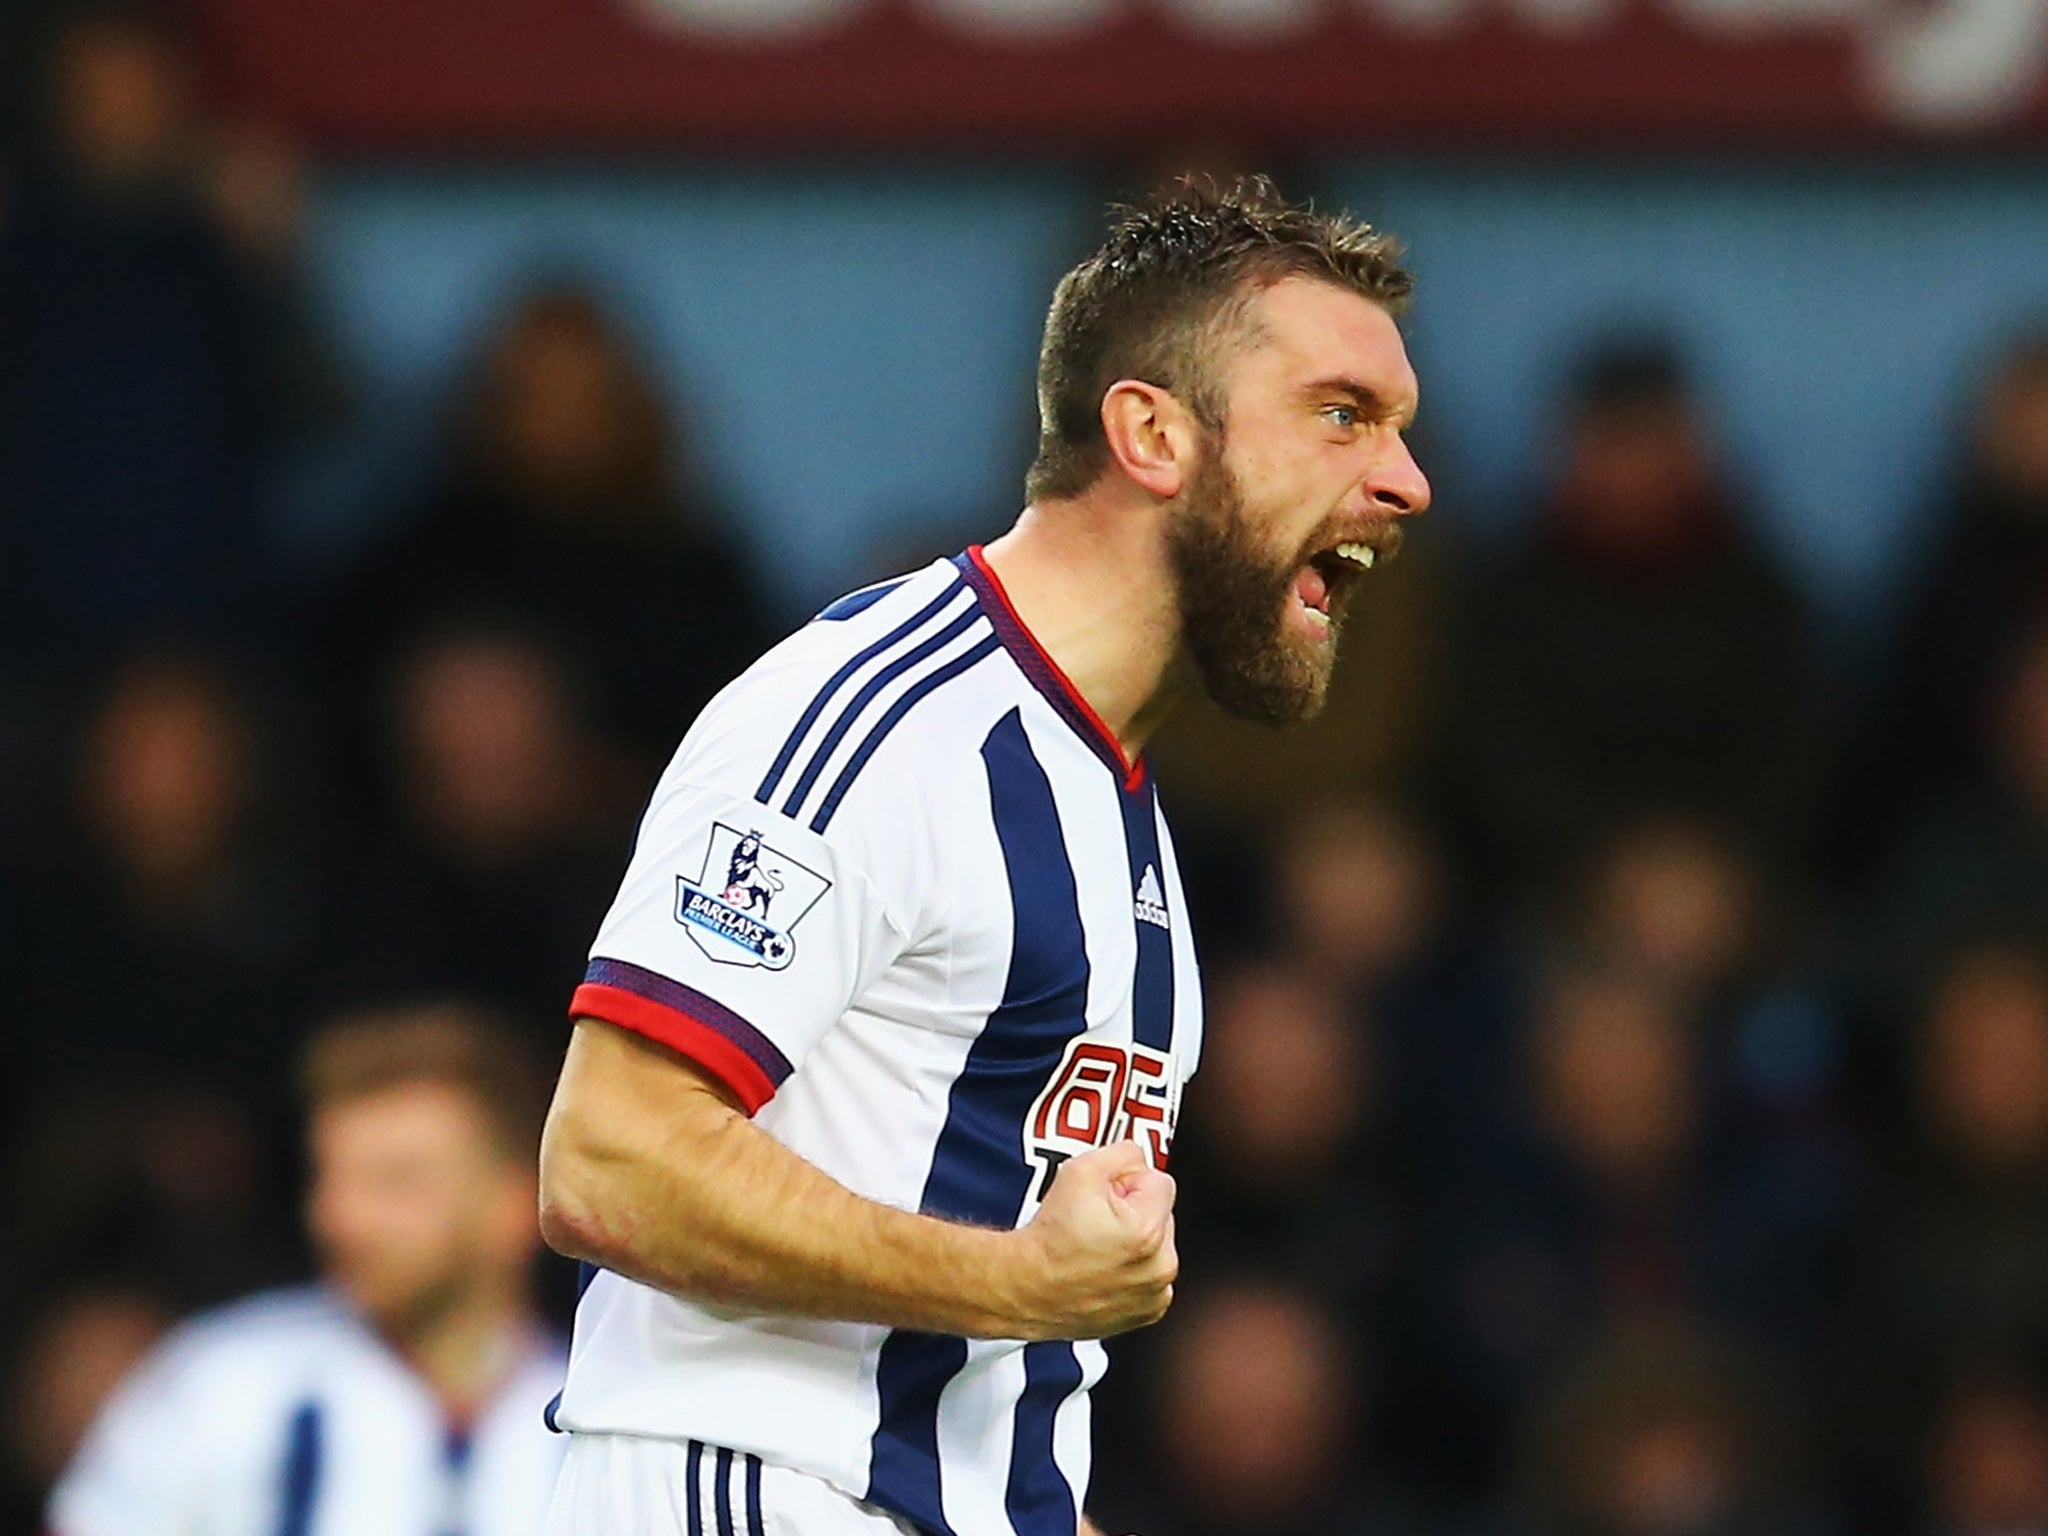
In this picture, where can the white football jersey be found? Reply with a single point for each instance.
(285, 1415)
(900, 890)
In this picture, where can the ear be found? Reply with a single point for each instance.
(1152, 437)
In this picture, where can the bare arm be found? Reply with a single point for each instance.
(650, 1169)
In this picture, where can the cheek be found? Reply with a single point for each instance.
(1277, 479)
(427, 1218)
(388, 1215)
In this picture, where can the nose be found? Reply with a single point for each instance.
(1396, 484)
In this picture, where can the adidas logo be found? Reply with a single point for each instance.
(1150, 903)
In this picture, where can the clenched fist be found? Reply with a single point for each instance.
(1098, 1258)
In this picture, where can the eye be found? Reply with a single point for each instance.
(1342, 415)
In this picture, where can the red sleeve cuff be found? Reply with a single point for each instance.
(682, 1034)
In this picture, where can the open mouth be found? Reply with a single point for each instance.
(1322, 585)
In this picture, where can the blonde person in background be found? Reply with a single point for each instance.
(401, 1395)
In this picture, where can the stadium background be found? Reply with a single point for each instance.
(1627, 1104)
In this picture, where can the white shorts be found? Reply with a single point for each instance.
(630, 1485)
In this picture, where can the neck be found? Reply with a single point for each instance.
(1090, 580)
(465, 1351)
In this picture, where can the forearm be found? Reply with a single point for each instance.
(690, 1196)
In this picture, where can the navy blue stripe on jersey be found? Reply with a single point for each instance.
(299, 1483)
(756, 1526)
(456, 1446)
(708, 1011)
(903, 1458)
(639, 823)
(837, 681)
(586, 1273)
(721, 1493)
(888, 722)
(1038, 1497)
(979, 1173)
(860, 701)
(693, 1488)
(1152, 1006)
(859, 602)
(978, 1168)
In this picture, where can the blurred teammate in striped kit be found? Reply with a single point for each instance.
(403, 1394)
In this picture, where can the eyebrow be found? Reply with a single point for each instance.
(1364, 396)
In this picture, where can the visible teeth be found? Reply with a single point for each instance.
(1316, 616)
(1360, 555)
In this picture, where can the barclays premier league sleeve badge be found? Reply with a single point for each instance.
(746, 899)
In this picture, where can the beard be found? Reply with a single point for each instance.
(1235, 593)
(400, 1303)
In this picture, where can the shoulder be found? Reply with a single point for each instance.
(210, 1398)
(190, 1439)
(235, 1348)
(291, 1314)
(868, 679)
(802, 684)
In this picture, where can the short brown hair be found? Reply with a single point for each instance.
(450, 1044)
(1170, 286)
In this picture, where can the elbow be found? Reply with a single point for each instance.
(569, 1205)
(569, 1227)
(586, 1213)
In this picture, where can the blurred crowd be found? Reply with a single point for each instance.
(1624, 1109)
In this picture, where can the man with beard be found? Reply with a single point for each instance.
(856, 1166)
(403, 1396)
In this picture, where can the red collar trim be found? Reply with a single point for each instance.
(1044, 672)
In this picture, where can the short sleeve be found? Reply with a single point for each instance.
(738, 938)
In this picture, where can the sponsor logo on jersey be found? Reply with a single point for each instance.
(1104, 1091)
(746, 899)
(1150, 901)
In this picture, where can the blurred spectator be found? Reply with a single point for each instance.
(1681, 905)
(158, 995)
(561, 511)
(1954, 1267)
(167, 928)
(1281, 1150)
(174, 1183)
(1359, 901)
(1616, 1193)
(1978, 865)
(1615, 1086)
(1987, 1458)
(403, 1395)
(1358, 891)
(497, 856)
(1642, 655)
(1661, 1431)
(139, 391)
(1979, 595)
(72, 1358)
(1673, 901)
(1257, 1425)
